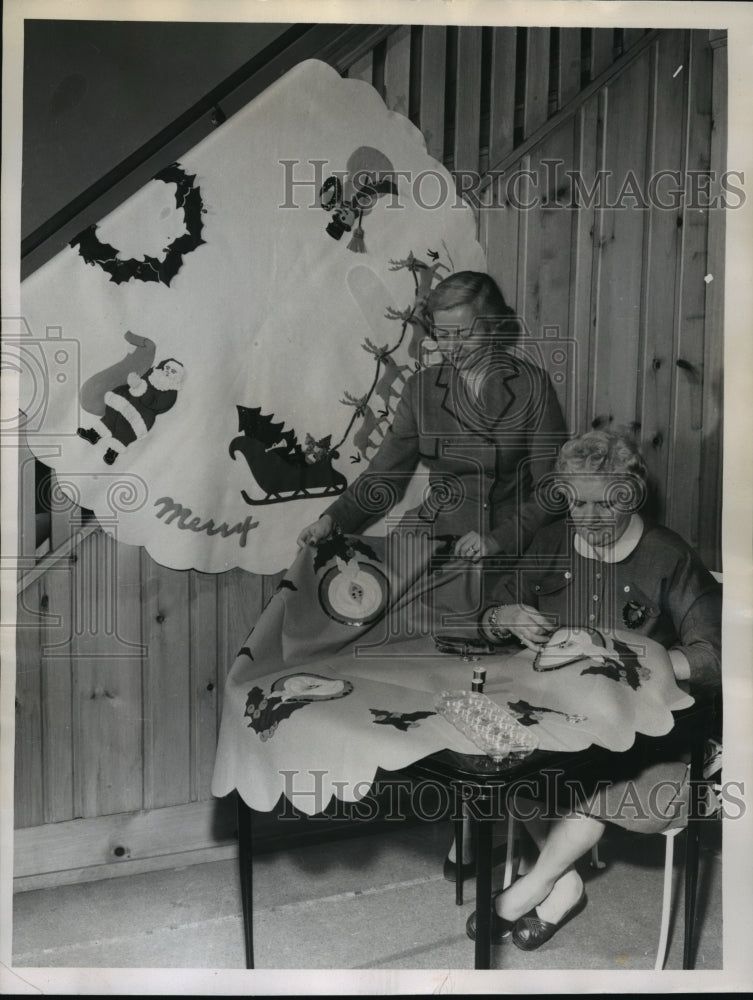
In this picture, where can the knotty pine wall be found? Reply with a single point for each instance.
(121, 662)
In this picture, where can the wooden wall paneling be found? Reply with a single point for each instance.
(597, 232)
(397, 70)
(167, 684)
(588, 142)
(240, 604)
(536, 99)
(621, 247)
(667, 104)
(631, 36)
(361, 69)
(56, 594)
(523, 192)
(602, 44)
(709, 541)
(498, 234)
(549, 265)
(29, 779)
(568, 83)
(205, 686)
(27, 520)
(431, 88)
(124, 843)
(502, 93)
(65, 515)
(107, 690)
(468, 102)
(683, 488)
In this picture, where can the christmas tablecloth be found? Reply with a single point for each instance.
(341, 674)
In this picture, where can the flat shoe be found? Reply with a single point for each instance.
(450, 870)
(530, 931)
(500, 929)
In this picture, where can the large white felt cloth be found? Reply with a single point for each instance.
(317, 701)
(281, 284)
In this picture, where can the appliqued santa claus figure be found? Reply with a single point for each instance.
(131, 409)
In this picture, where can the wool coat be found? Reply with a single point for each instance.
(485, 448)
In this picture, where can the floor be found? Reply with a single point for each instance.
(376, 901)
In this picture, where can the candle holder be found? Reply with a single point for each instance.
(489, 726)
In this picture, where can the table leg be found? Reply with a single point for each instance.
(459, 860)
(245, 860)
(692, 844)
(484, 829)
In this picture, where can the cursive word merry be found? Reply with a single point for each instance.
(177, 512)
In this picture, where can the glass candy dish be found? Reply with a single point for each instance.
(493, 730)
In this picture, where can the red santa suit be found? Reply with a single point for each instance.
(132, 409)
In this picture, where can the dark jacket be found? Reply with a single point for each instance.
(484, 455)
(661, 590)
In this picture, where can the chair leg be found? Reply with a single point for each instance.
(595, 862)
(666, 903)
(459, 860)
(510, 852)
(692, 844)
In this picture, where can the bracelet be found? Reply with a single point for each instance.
(497, 631)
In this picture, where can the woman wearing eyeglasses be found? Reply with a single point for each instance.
(486, 423)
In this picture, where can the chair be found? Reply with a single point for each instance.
(712, 765)
(711, 768)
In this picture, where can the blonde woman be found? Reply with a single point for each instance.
(624, 572)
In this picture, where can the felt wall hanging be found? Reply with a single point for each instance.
(223, 353)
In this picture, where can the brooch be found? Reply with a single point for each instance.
(633, 614)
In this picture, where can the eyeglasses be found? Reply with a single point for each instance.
(450, 332)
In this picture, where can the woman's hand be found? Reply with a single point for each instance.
(316, 532)
(474, 546)
(528, 625)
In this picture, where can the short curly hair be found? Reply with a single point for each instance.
(603, 452)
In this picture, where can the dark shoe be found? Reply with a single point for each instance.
(110, 456)
(501, 928)
(530, 931)
(88, 434)
(450, 870)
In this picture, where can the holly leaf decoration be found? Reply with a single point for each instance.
(253, 699)
(625, 673)
(335, 545)
(360, 546)
(169, 267)
(400, 720)
(266, 712)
